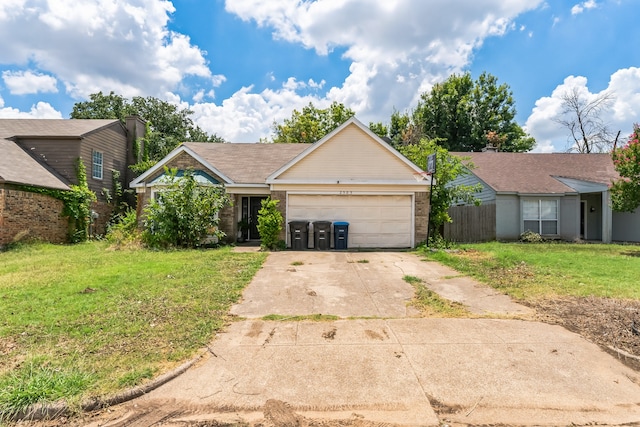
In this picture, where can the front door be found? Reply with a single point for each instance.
(252, 206)
(583, 219)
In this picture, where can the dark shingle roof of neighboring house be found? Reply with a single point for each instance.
(536, 173)
(19, 167)
(53, 128)
(246, 163)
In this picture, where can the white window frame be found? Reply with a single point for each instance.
(97, 166)
(540, 216)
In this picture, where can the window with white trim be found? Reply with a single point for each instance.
(540, 216)
(96, 165)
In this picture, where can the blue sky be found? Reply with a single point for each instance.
(240, 65)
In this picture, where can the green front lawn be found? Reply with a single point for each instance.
(532, 271)
(84, 320)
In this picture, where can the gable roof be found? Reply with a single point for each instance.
(18, 167)
(259, 163)
(540, 173)
(234, 163)
(51, 128)
(247, 163)
(331, 136)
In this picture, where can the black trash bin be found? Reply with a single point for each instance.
(340, 235)
(299, 231)
(322, 235)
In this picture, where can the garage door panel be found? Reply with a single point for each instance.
(374, 220)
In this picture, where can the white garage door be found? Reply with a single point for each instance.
(374, 221)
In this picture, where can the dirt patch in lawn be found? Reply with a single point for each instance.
(611, 323)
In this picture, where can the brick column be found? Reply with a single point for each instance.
(421, 216)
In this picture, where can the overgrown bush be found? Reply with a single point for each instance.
(124, 232)
(270, 224)
(184, 214)
(531, 237)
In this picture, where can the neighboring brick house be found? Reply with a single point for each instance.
(349, 175)
(43, 153)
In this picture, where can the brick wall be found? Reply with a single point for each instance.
(25, 215)
(421, 216)
(99, 226)
(228, 223)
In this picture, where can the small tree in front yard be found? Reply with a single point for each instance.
(448, 169)
(270, 224)
(184, 213)
(625, 192)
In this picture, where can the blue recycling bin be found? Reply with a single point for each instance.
(340, 235)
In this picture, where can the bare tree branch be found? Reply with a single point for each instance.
(583, 118)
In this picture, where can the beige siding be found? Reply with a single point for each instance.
(351, 189)
(350, 155)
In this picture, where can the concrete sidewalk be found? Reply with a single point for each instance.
(388, 366)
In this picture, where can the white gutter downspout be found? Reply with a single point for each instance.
(607, 215)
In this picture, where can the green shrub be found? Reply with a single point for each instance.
(124, 232)
(184, 214)
(270, 224)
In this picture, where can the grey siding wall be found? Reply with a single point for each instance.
(626, 226)
(59, 154)
(508, 217)
(569, 216)
(112, 142)
(487, 196)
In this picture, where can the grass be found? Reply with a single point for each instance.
(430, 303)
(83, 321)
(548, 270)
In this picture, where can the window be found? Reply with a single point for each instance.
(540, 216)
(96, 169)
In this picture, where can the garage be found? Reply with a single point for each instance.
(375, 221)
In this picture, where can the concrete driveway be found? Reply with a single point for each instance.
(381, 363)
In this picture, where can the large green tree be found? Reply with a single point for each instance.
(461, 113)
(168, 125)
(311, 124)
(625, 193)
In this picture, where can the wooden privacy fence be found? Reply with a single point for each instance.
(471, 223)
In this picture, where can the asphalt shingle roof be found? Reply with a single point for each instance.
(247, 163)
(50, 127)
(534, 173)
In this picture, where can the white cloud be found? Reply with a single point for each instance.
(624, 112)
(397, 49)
(104, 45)
(581, 7)
(28, 82)
(41, 110)
(247, 116)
